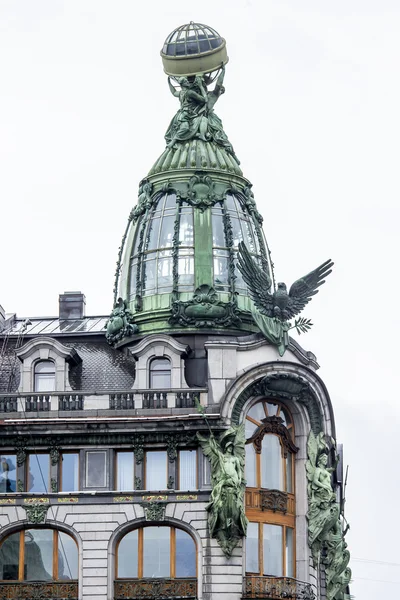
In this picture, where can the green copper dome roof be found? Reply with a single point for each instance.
(177, 265)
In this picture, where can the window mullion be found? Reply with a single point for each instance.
(21, 555)
(140, 553)
(172, 552)
(284, 551)
(55, 555)
(261, 547)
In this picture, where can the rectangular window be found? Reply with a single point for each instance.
(156, 552)
(187, 470)
(69, 465)
(289, 552)
(272, 550)
(206, 471)
(96, 463)
(8, 473)
(38, 475)
(124, 479)
(156, 470)
(252, 565)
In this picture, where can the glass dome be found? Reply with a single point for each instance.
(190, 39)
(175, 247)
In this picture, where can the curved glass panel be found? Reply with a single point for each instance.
(185, 555)
(128, 555)
(67, 557)
(250, 470)
(38, 555)
(231, 224)
(152, 257)
(9, 557)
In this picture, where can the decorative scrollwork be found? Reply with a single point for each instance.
(154, 511)
(145, 589)
(137, 443)
(204, 310)
(34, 590)
(36, 513)
(274, 500)
(274, 425)
(276, 588)
(200, 192)
(20, 448)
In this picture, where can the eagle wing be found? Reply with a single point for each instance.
(257, 280)
(305, 288)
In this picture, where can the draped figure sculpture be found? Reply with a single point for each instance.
(196, 117)
(325, 530)
(226, 520)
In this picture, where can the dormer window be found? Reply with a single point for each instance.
(160, 374)
(44, 376)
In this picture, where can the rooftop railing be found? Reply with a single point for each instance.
(46, 404)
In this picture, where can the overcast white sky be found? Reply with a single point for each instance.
(312, 108)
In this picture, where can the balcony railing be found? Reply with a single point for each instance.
(276, 588)
(31, 402)
(54, 590)
(145, 589)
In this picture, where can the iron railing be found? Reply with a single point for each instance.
(146, 589)
(276, 588)
(32, 590)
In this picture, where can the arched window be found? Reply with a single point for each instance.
(269, 447)
(160, 374)
(270, 500)
(156, 552)
(154, 269)
(44, 376)
(39, 555)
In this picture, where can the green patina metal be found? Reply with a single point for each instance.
(121, 323)
(326, 536)
(199, 168)
(281, 385)
(226, 519)
(274, 310)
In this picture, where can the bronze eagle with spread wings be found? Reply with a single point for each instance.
(280, 304)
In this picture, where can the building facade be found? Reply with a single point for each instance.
(184, 446)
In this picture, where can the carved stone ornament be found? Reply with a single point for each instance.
(121, 323)
(20, 448)
(36, 513)
(200, 192)
(274, 425)
(54, 452)
(138, 450)
(282, 385)
(54, 485)
(154, 511)
(274, 500)
(138, 483)
(326, 536)
(204, 310)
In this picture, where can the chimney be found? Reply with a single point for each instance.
(72, 305)
(2, 318)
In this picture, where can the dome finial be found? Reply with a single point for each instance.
(193, 49)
